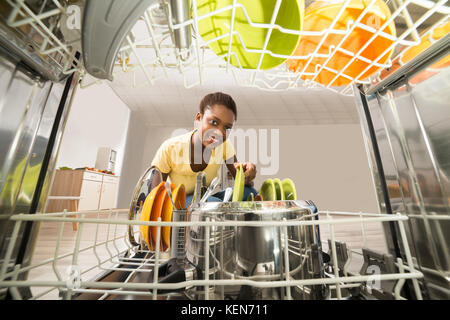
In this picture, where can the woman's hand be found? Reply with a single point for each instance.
(249, 172)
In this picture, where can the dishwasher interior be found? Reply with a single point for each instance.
(397, 72)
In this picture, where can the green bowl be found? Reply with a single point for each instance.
(290, 193)
(290, 16)
(268, 191)
(278, 189)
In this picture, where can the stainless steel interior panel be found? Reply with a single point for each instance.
(432, 105)
(431, 158)
(22, 106)
(37, 166)
(31, 113)
(390, 200)
(56, 129)
(411, 120)
(22, 103)
(385, 147)
(422, 189)
(368, 107)
(396, 172)
(365, 124)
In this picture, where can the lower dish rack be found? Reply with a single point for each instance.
(97, 261)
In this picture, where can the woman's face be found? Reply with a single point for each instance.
(215, 123)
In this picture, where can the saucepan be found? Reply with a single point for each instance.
(254, 252)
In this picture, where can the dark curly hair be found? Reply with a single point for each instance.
(218, 98)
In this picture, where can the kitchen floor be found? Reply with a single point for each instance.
(97, 255)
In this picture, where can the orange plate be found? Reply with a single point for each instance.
(147, 210)
(156, 212)
(318, 17)
(179, 197)
(166, 212)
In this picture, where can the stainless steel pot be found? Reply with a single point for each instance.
(253, 252)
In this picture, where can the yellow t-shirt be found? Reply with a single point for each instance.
(173, 158)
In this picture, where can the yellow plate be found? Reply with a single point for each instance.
(290, 16)
(179, 197)
(239, 181)
(156, 213)
(290, 193)
(147, 210)
(318, 17)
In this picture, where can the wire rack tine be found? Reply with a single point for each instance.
(230, 41)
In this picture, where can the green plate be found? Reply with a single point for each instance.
(289, 189)
(239, 180)
(268, 191)
(278, 189)
(290, 16)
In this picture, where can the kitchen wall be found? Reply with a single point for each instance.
(134, 159)
(328, 165)
(98, 118)
(327, 162)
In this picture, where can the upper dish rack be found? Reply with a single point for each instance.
(160, 45)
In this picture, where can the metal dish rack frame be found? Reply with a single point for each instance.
(60, 53)
(73, 283)
(146, 69)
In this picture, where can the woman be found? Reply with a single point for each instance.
(204, 149)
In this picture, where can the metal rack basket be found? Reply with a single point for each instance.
(49, 31)
(70, 276)
(154, 54)
(151, 51)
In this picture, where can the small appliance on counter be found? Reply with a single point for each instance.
(106, 159)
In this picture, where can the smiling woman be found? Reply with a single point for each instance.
(204, 149)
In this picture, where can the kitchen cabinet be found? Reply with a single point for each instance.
(90, 192)
(108, 193)
(96, 190)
